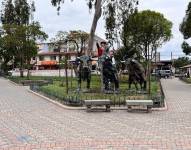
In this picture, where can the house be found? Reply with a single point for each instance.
(49, 56)
(186, 70)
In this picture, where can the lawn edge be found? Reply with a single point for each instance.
(84, 108)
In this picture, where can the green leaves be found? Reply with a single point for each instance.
(116, 12)
(186, 48)
(147, 30)
(19, 39)
(185, 29)
(182, 61)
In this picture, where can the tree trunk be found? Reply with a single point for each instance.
(4, 66)
(66, 73)
(28, 69)
(21, 66)
(97, 15)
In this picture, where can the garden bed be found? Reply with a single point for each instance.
(57, 90)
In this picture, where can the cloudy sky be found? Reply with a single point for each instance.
(76, 16)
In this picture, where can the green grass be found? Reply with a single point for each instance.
(58, 89)
(187, 80)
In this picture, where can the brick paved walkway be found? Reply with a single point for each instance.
(30, 122)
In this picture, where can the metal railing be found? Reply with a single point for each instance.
(118, 100)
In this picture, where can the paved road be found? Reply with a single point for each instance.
(30, 122)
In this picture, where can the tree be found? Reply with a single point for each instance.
(7, 47)
(181, 61)
(101, 7)
(116, 13)
(185, 29)
(33, 33)
(146, 31)
(186, 48)
(20, 35)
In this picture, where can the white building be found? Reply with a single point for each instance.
(48, 56)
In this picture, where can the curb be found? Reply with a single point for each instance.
(55, 102)
(165, 108)
(84, 108)
(14, 83)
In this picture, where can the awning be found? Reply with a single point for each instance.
(187, 66)
(49, 63)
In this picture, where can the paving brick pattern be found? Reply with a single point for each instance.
(28, 122)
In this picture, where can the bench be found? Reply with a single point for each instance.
(102, 102)
(145, 103)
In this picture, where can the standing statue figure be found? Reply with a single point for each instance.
(83, 70)
(110, 74)
(136, 74)
(107, 69)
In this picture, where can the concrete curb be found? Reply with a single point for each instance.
(165, 108)
(55, 102)
(14, 83)
(84, 108)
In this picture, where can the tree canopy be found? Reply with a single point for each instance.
(146, 31)
(181, 61)
(20, 33)
(115, 11)
(185, 29)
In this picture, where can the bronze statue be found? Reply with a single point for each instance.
(83, 70)
(136, 74)
(109, 72)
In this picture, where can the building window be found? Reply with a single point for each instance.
(41, 58)
(52, 57)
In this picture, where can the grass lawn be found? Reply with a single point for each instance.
(187, 80)
(59, 91)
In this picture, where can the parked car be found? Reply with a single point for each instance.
(165, 73)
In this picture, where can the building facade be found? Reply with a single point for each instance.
(50, 56)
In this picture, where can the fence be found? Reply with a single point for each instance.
(77, 98)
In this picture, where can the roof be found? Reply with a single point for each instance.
(56, 53)
(187, 66)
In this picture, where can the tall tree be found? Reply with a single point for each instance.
(116, 13)
(20, 34)
(101, 7)
(7, 47)
(146, 31)
(185, 29)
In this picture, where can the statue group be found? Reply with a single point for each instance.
(108, 71)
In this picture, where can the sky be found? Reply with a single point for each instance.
(76, 16)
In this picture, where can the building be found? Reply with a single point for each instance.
(49, 57)
(186, 70)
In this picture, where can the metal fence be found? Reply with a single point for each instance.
(77, 98)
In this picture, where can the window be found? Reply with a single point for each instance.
(41, 58)
(52, 57)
